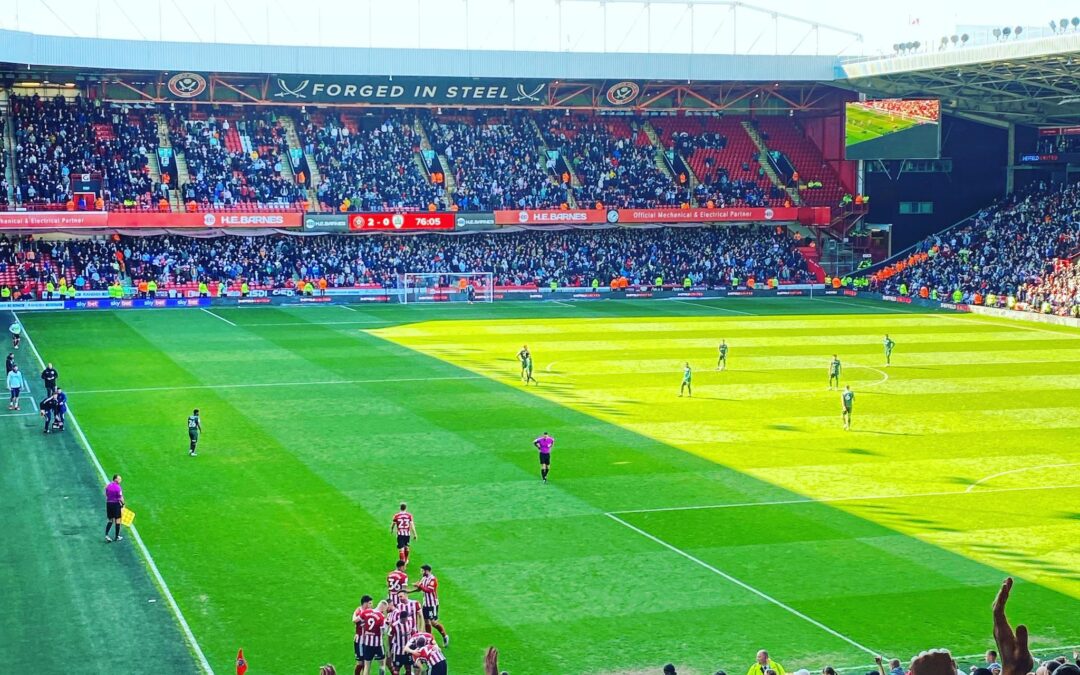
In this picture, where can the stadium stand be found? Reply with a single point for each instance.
(233, 160)
(722, 156)
(367, 162)
(993, 256)
(5, 184)
(613, 160)
(1057, 292)
(56, 137)
(718, 256)
(783, 136)
(496, 161)
(239, 159)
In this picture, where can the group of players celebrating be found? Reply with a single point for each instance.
(396, 619)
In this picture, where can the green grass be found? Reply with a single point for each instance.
(866, 124)
(814, 542)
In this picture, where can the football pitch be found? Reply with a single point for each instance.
(866, 124)
(695, 530)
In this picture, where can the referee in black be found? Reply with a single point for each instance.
(48, 376)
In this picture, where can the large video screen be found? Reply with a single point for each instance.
(893, 128)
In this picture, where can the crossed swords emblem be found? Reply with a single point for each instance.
(287, 91)
(527, 96)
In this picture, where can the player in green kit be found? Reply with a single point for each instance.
(721, 363)
(194, 428)
(685, 386)
(523, 357)
(16, 334)
(889, 344)
(834, 372)
(846, 400)
(528, 370)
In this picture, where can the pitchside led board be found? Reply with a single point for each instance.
(893, 128)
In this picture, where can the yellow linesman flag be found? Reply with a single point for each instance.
(127, 517)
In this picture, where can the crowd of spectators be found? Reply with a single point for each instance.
(368, 166)
(251, 172)
(707, 255)
(616, 171)
(720, 190)
(367, 162)
(1055, 293)
(496, 163)
(57, 137)
(924, 109)
(5, 184)
(1001, 251)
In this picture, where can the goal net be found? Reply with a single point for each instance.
(423, 287)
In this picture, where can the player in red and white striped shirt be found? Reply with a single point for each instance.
(423, 649)
(403, 524)
(370, 628)
(396, 580)
(403, 621)
(429, 586)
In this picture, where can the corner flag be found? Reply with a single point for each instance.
(241, 663)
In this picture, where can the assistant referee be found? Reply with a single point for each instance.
(114, 507)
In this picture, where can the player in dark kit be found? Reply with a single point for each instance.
(60, 418)
(847, 401)
(405, 526)
(48, 407)
(523, 357)
(834, 372)
(194, 428)
(721, 361)
(9, 364)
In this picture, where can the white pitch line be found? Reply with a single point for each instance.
(1011, 324)
(218, 316)
(185, 628)
(564, 304)
(549, 366)
(744, 585)
(847, 304)
(884, 375)
(18, 414)
(249, 385)
(1006, 473)
(832, 500)
(722, 309)
(301, 324)
(346, 307)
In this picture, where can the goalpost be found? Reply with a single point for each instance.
(427, 287)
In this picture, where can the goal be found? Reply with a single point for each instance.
(424, 287)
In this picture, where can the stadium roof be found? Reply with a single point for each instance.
(31, 49)
(1030, 82)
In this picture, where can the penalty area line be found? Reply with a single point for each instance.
(155, 572)
(722, 309)
(218, 317)
(743, 585)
